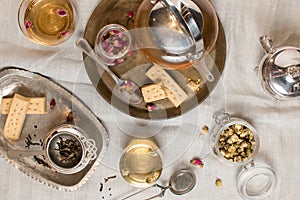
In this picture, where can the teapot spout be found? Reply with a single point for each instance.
(267, 44)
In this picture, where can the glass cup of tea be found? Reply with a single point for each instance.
(141, 163)
(47, 22)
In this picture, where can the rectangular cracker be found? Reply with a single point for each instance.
(158, 75)
(171, 96)
(37, 105)
(153, 92)
(16, 117)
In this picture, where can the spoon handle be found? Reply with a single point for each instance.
(201, 66)
(161, 194)
(84, 45)
(138, 192)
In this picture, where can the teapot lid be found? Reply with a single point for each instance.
(280, 70)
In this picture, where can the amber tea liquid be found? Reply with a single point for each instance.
(49, 21)
(141, 163)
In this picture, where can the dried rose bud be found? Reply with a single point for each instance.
(151, 107)
(197, 162)
(52, 103)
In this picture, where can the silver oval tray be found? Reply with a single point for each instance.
(67, 110)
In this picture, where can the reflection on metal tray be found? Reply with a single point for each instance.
(134, 67)
(62, 108)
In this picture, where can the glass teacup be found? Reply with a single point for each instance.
(141, 163)
(47, 22)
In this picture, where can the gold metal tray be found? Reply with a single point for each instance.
(134, 67)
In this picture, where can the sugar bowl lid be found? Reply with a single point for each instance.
(280, 70)
(256, 182)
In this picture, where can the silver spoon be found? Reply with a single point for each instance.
(125, 88)
(181, 182)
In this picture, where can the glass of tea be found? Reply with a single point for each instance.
(47, 22)
(141, 163)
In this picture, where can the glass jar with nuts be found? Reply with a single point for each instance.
(235, 141)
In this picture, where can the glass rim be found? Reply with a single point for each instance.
(21, 24)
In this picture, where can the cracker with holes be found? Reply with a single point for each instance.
(16, 117)
(153, 92)
(37, 105)
(174, 93)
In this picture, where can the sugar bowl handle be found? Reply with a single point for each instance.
(267, 44)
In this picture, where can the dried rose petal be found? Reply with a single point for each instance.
(28, 24)
(127, 86)
(130, 14)
(130, 53)
(128, 83)
(52, 103)
(114, 42)
(113, 32)
(64, 33)
(122, 35)
(118, 43)
(61, 12)
(118, 61)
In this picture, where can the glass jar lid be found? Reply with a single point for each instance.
(280, 70)
(256, 182)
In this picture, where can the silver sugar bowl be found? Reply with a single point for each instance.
(279, 70)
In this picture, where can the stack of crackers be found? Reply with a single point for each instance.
(164, 86)
(16, 109)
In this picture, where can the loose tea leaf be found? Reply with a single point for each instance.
(68, 149)
(41, 162)
(29, 142)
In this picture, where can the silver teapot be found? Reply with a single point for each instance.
(279, 70)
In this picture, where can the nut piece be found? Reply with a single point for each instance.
(205, 129)
(219, 183)
(236, 143)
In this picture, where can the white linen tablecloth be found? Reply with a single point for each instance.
(276, 122)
